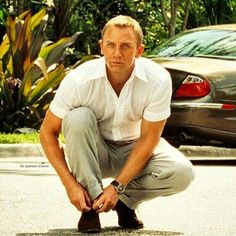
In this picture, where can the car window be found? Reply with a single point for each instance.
(199, 43)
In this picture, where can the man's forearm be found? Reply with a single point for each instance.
(55, 155)
(142, 151)
(136, 161)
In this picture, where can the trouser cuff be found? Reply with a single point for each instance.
(128, 202)
(95, 192)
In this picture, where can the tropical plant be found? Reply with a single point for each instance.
(30, 70)
(3, 16)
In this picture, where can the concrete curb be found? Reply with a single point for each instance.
(36, 150)
(208, 151)
(21, 150)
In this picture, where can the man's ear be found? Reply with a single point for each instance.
(101, 47)
(140, 50)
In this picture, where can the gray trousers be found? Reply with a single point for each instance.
(91, 158)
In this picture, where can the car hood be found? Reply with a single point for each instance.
(197, 65)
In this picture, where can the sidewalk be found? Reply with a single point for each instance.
(35, 150)
(30, 158)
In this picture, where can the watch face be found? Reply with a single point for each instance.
(120, 188)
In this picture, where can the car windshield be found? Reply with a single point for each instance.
(218, 43)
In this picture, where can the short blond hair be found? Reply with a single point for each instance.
(125, 21)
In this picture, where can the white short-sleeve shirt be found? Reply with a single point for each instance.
(146, 95)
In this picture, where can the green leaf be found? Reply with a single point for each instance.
(11, 33)
(43, 85)
(38, 18)
(45, 100)
(22, 45)
(3, 15)
(24, 35)
(25, 87)
(18, 63)
(52, 53)
(23, 14)
(10, 68)
(4, 47)
(27, 82)
(6, 92)
(37, 38)
(41, 64)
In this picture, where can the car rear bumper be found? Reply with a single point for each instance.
(217, 106)
(196, 131)
(201, 123)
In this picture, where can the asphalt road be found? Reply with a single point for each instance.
(33, 202)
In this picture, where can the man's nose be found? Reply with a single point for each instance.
(117, 52)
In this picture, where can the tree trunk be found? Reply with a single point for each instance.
(188, 4)
(170, 22)
(174, 8)
(164, 13)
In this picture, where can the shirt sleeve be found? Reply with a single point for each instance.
(66, 98)
(158, 107)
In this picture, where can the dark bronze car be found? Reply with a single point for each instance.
(202, 64)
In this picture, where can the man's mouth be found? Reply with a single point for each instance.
(116, 62)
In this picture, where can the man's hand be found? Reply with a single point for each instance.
(107, 200)
(78, 196)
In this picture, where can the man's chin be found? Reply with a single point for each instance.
(117, 68)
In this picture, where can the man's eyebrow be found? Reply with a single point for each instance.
(125, 42)
(108, 41)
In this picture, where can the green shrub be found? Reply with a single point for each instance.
(30, 70)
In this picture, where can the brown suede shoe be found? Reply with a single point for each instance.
(126, 217)
(89, 222)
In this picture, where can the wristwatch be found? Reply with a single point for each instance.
(120, 188)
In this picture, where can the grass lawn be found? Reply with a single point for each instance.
(19, 138)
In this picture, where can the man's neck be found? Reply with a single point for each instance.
(119, 77)
(118, 80)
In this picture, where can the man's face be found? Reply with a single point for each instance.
(119, 46)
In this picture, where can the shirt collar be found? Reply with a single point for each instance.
(139, 71)
(100, 70)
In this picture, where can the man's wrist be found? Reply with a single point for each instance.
(119, 187)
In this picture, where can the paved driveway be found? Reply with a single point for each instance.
(33, 202)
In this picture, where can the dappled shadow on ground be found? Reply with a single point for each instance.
(114, 231)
